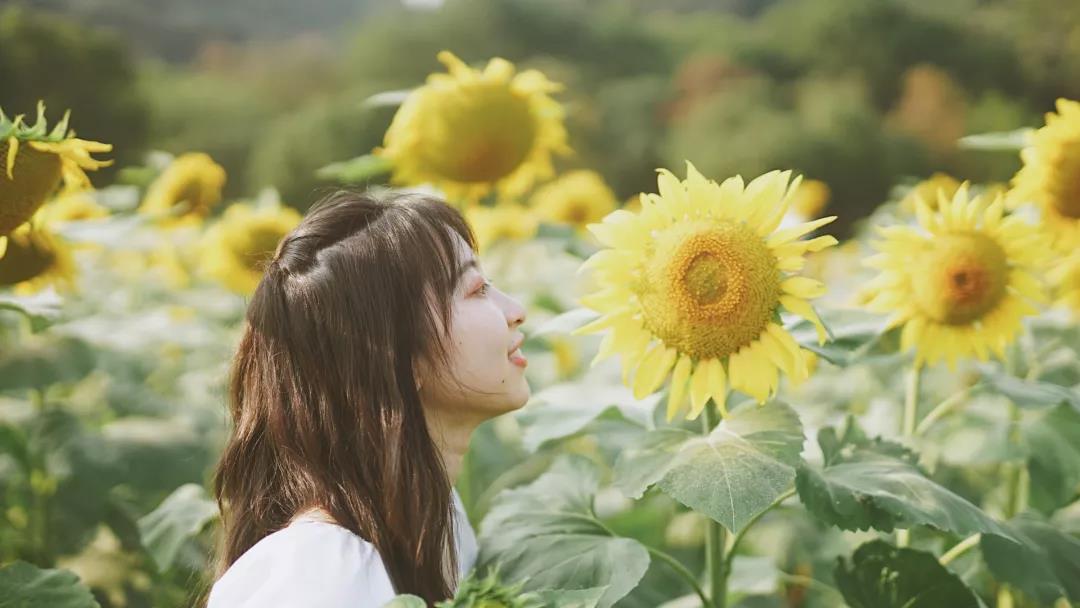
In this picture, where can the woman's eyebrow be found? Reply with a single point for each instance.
(471, 263)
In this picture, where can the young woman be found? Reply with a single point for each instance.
(373, 347)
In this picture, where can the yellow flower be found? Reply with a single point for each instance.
(1065, 279)
(35, 259)
(508, 221)
(810, 199)
(187, 189)
(236, 249)
(73, 207)
(694, 284)
(1050, 176)
(33, 160)
(469, 131)
(577, 198)
(928, 189)
(961, 286)
(566, 355)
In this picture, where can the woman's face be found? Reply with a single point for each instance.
(486, 368)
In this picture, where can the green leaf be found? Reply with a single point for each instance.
(406, 601)
(41, 309)
(853, 334)
(876, 484)
(1028, 393)
(182, 515)
(357, 170)
(576, 598)
(546, 535)
(998, 140)
(883, 576)
(24, 585)
(1043, 562)
(732, 475)
(1053, 439)
(565, 409)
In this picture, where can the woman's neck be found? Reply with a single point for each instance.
(451, 435)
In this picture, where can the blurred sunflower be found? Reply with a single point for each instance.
(73, 207)
(810, 199)
(927, 190)
(469, 132)
(36, 259)
(1065, 279)
(576, 198)
(962, 285)
(508, 221)
(694, 283)
(186, 191)
(1050, 176)
(236, 249)
(34, 160)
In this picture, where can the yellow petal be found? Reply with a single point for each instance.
(790, 234)
(13, 150)
(717, 383)
(653, 369)
(804, 310)
(677, 392)
(803, 287)
(699, 389)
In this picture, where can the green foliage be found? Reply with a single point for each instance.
(180, 517)
(24, 585)
(883, 576)
(68, 66)
(1044, 561)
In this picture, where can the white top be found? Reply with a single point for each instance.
(313, 563)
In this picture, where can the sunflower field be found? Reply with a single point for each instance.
(776, 387)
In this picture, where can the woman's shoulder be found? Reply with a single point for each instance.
(309, 563)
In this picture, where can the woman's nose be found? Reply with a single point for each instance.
(515, 312)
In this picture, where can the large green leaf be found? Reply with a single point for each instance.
(24, 585)
(883, 576)
(1053, 439)
(182, 515)
(877, 484)
(545, 534)
(853, 333)
(733, 474)
(1043, 562)
(44, 361)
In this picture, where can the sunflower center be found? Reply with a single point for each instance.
(482, 135)
(36, 173)
(709, 288)
(961, 278)
(24, 260)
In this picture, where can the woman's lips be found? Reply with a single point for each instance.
(518, 359)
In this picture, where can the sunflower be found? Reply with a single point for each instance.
(34, 160)
(1050, 176)
(810, 199)
(508, 221)
(694, 283)
(577, 198)
(927, 190)
(73, 207)
(36, 259)
(469, 132)
(186, 190)
(236, 249)
(961, 285)
(1065, 279)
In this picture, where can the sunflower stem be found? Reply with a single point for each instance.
(907, 429)
(943, 408)
(715, 534)
(959, 549)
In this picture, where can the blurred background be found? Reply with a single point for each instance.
(859, 95)
(116, 335)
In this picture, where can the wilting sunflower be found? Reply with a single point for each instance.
(1050, 177)
(186, 190)
(695, 283)
(34, 160)
(577, 198)
(36, 259)
(471, 131)
(961, 285)
(236, 249)
(1065, 279)
(508, 221)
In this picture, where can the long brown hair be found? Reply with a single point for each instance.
(323, 394)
